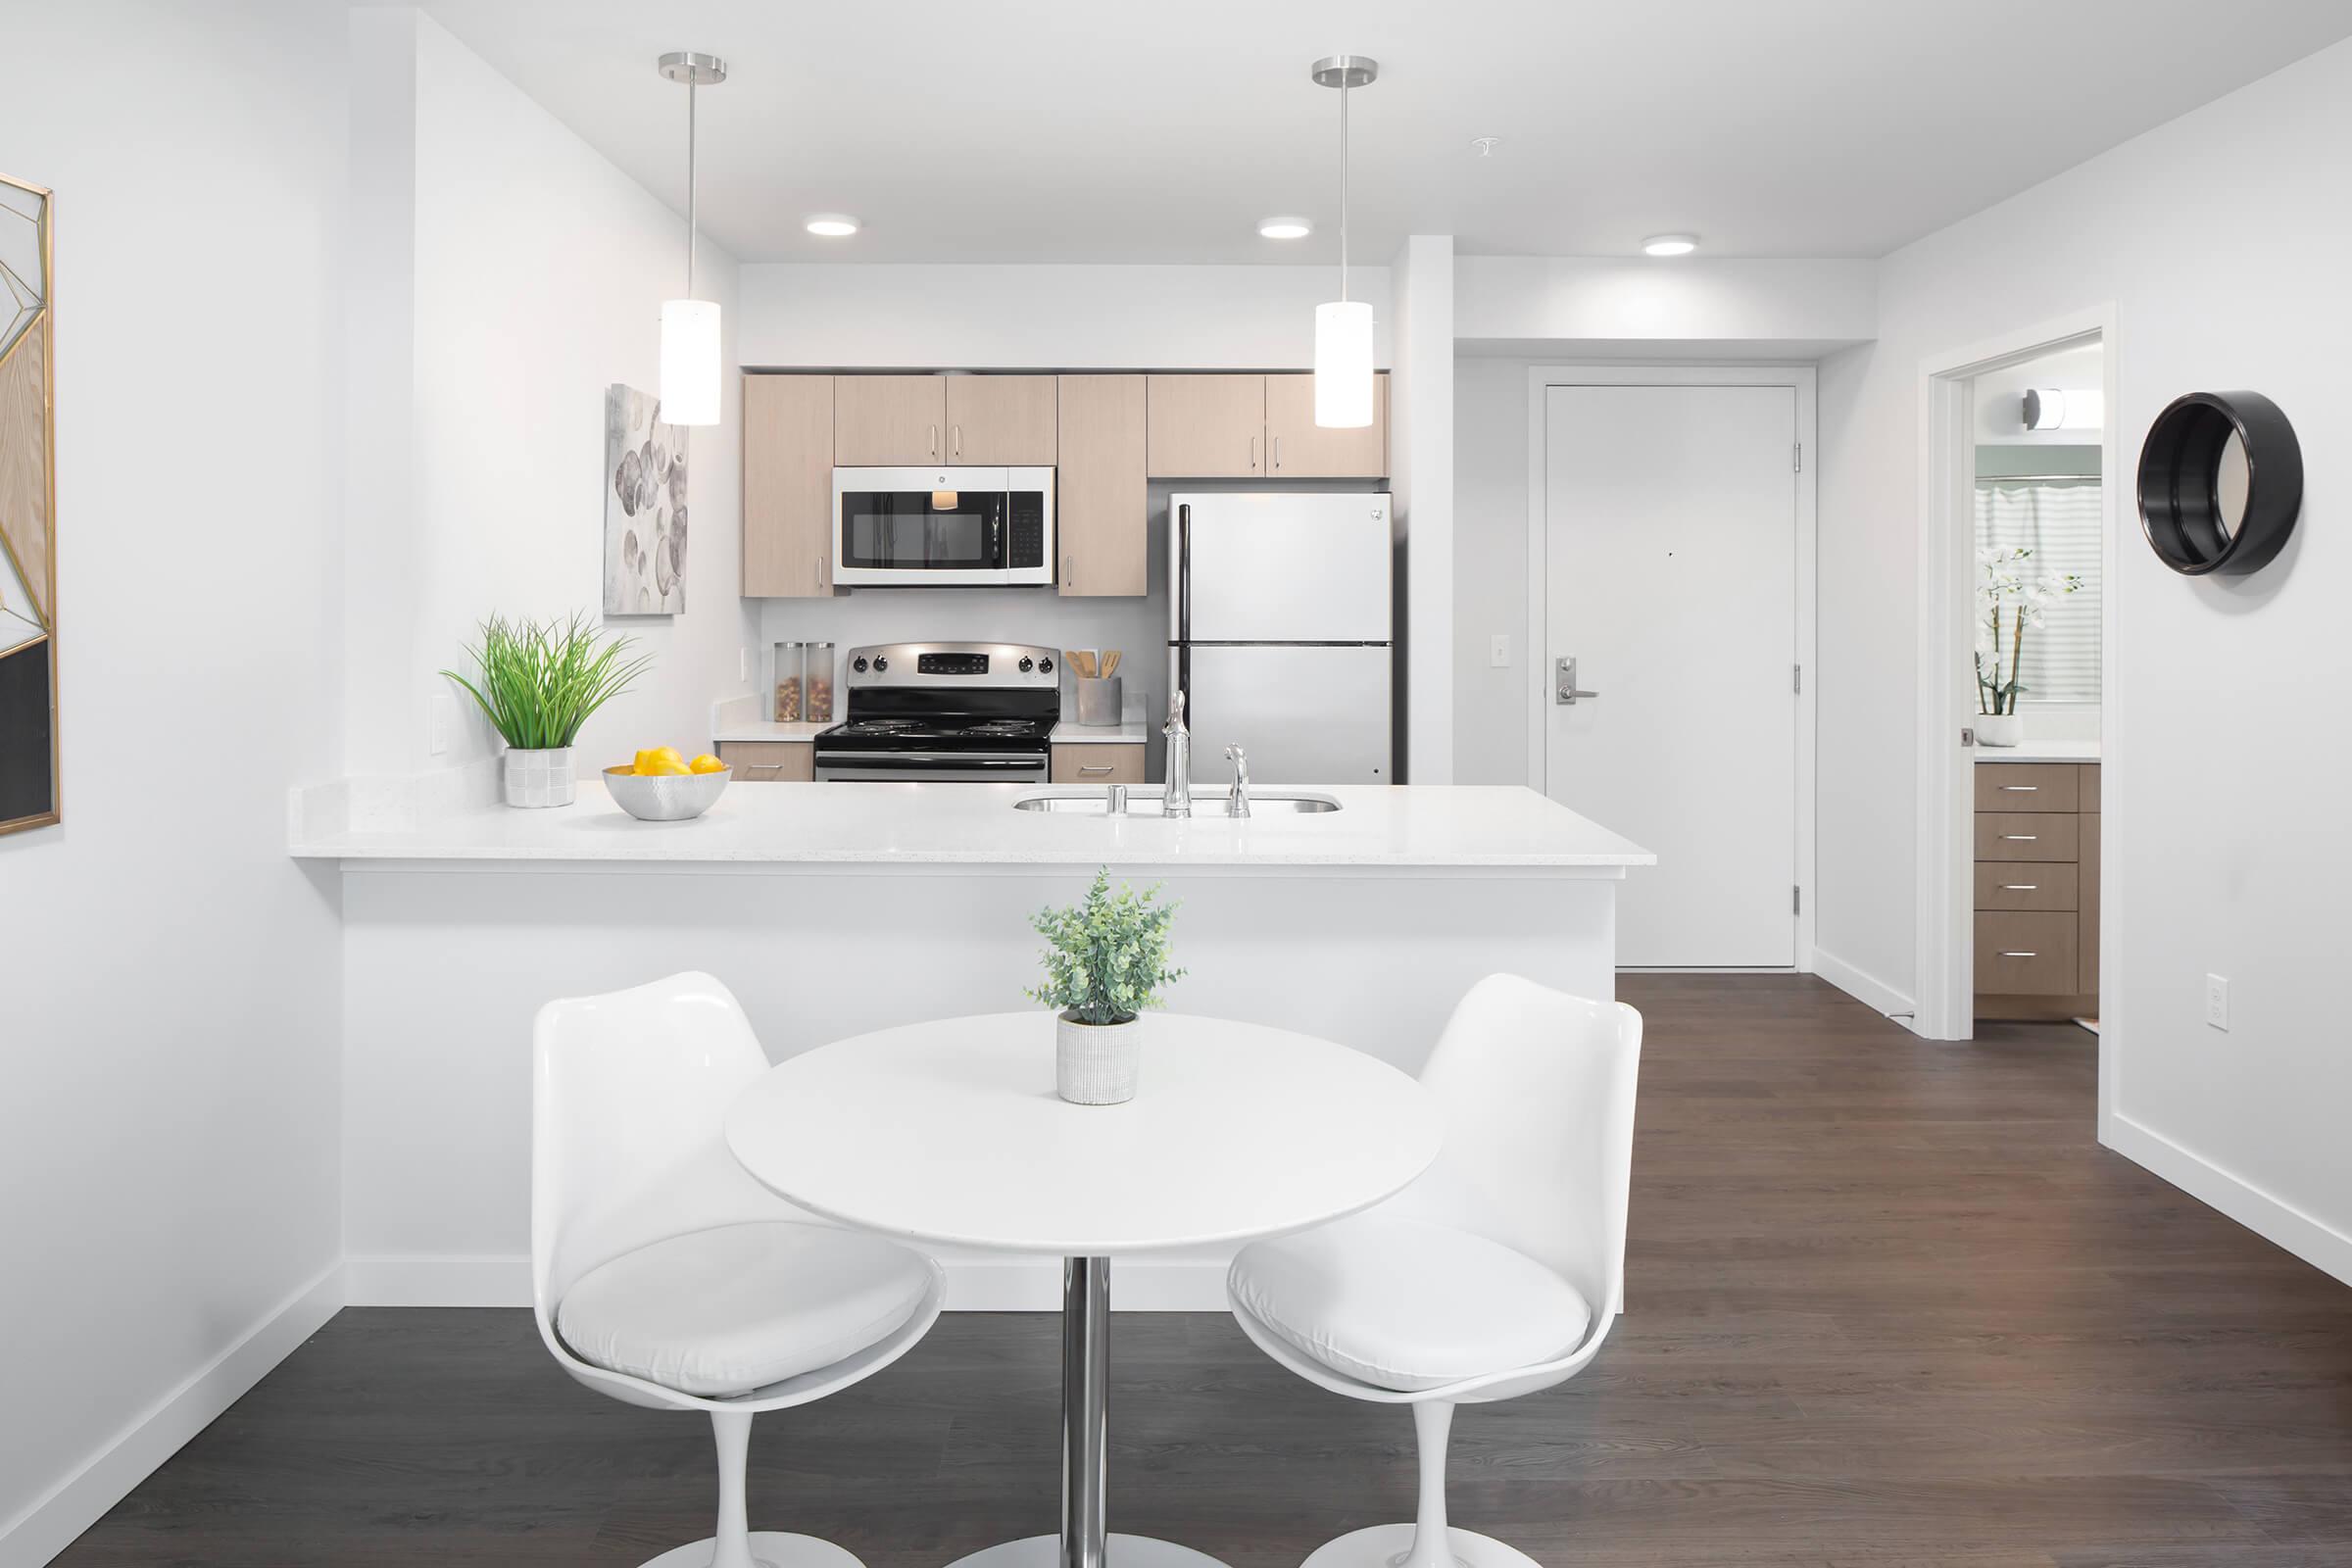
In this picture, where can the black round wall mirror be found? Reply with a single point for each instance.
(2221, 481)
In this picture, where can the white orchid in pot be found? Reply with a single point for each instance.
(1106, 956)
(2011, 597)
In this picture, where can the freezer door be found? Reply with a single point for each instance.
(1281, 569)
(1305, 716)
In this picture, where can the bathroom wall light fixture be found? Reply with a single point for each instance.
(2049, 408)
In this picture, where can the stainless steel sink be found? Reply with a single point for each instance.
(1209, 805)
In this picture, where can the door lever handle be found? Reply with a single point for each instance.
(1566, 694)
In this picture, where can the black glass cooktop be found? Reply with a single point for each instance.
(935, 732)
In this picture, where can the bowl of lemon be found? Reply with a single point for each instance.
(664, 786)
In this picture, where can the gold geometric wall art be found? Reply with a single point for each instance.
(28, 751)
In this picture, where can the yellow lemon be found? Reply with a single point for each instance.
(646, 757)
(706, 764)
(664, 767)
(669, 754)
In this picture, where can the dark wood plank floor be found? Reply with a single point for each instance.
(1889, 1304)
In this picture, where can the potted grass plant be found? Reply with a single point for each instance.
(539, 681)
(1106, 958)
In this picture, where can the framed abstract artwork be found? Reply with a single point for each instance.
(645, 506)
(29, 768)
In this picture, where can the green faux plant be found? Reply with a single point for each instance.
(540, 680)
(1106, 956)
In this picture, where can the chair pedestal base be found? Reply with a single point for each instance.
(1389, 1546)
(770, 1549)
(1121, 1552)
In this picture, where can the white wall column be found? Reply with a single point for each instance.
(1421, 464)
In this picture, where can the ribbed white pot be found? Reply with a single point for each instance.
(2001, 729)
(1097, 1063)
(540, 777)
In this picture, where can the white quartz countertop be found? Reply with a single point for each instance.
(1131, 733)
(760, 729)
(975, 824)
(2040, 751)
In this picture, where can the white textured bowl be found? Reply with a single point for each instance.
(669, 797)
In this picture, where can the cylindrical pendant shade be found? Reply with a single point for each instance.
(1344, 365)
(689, 362)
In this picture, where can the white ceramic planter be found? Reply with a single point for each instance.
(2001, 729)
(540, 778)
(1097, 1063)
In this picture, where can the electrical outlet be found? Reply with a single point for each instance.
(2217, 1002)
(1499, 651)
(444, 714)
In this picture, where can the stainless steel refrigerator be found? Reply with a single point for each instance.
(1279, 615)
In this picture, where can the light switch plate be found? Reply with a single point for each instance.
(2217, 1002)
(1499, 651)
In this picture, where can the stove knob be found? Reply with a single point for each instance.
(1045, 666)
(1027, 663)
(880, 663)
(858, 664)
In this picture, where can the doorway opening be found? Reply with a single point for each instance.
(2020, 480)
(1670, 634)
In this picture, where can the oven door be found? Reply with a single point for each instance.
(931, 768)
(943, 526)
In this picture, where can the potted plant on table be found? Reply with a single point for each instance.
(1106, 956)
(539, 683)
(2009, 600)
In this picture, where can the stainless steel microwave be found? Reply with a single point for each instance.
(942, 527)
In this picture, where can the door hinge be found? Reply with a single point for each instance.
(1797, 681)
(1797, 457)
(1797, 900)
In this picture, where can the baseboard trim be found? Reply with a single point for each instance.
(2266, 1214)
(976, 1283)
(70, 1507)
(1864, 987)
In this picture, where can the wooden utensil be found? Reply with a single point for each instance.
(1110, 664)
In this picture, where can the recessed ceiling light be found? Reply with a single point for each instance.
(1669, 244)
(832, 224)
(1286, 228)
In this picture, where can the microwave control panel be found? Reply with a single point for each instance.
(1025, 533)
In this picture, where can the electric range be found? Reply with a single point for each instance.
(945, 713)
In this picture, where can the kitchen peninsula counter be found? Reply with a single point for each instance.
(833, 910)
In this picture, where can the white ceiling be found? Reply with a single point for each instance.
(1105, 130)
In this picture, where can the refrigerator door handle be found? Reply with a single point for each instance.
(1184, 600)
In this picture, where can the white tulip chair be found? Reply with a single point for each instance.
(664, 1275)
(1500, 1273)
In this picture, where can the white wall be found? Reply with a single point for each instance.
(1074, 318)
(1489, 569)
(1654, 308)
(534, 274)
(1421, 457)
(2225, 833)
(170, 980)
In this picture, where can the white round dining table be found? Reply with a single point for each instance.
(951, 1133)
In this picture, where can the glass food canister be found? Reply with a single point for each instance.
(791, 670)
(816, 699)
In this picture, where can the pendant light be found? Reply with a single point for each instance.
(690, 375)
(1344, 327)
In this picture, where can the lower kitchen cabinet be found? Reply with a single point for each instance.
(1099, 763)
(2036, 890)
(771, 761)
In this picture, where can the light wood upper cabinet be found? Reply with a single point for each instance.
(1100, 497)
(1006, 420)
(787, 486)
(1297, 447)
(1207, 426)
(887, 420)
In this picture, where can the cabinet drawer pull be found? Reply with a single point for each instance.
(2023, 789)
(765, 767)
(1094, 768)
(2020, 954)
(2021, 887)
(2021, 838)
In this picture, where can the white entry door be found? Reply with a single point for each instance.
(1671, 552)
